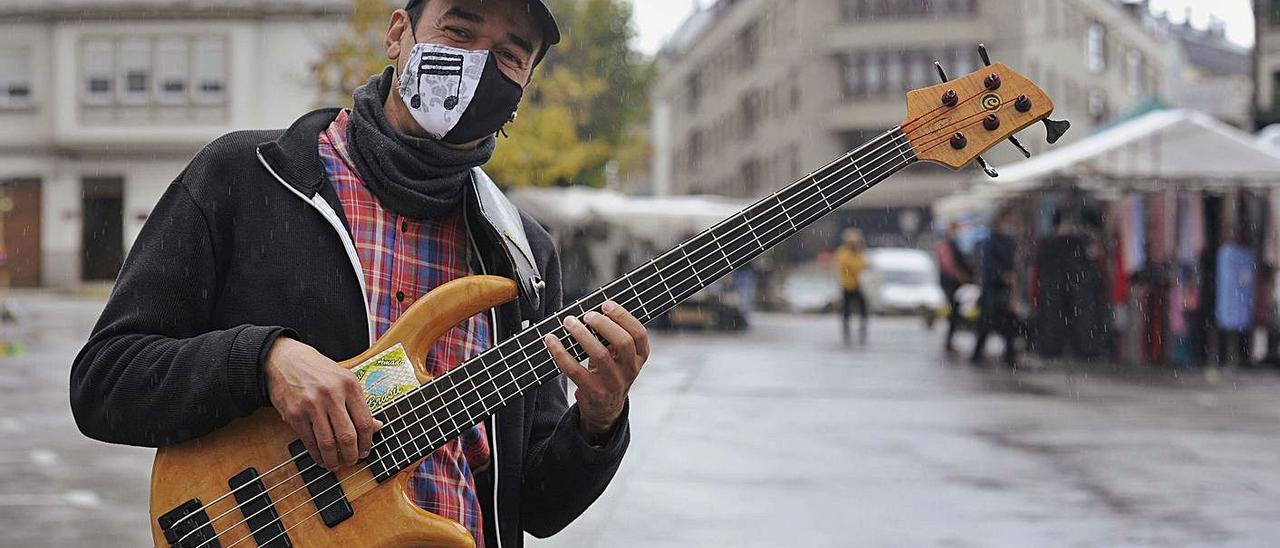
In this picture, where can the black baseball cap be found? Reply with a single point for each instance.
(540, 10)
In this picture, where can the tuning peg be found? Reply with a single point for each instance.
(942, 73)
(1018, 144)
(982, 51)
(1056, 129)
(991, 171)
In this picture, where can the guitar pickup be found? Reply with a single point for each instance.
(259, 514)
(187, 526)
(326, 492)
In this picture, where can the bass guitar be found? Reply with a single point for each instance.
(252, 483)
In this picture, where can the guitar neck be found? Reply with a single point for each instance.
(439, 411)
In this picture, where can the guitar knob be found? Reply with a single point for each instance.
(959, 141)
(1022, 104)
(950, 98)
(1056, 129)
(992, 82)
(992, 122)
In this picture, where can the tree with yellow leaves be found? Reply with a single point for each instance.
(581, 112)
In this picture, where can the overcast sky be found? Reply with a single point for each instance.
(657, 19)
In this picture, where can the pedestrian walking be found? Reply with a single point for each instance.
(996, 259)
(953, 272)
(851, 261)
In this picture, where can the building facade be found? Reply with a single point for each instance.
(103, 102)
(1215, 75)
(753, 94)
(1266, 97)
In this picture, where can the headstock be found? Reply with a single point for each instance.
(954, 122)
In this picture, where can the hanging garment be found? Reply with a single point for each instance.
(1164, 212)
(1135, 233)
(1271, 248)
(1190, 227)
(1237, 268)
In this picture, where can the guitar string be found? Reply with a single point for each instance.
(538, 376)
(871, 144)
(899, 143)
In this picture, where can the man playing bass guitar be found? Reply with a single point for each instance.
(275, 253)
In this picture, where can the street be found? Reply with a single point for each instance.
(783, 437)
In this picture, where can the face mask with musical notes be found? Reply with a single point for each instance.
(457, 95)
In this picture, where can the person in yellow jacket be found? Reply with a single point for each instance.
(851, 261)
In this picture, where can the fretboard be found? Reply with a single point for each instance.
(427, 418)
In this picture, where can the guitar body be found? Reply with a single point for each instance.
(383, 515)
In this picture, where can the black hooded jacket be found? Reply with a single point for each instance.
(238, 252)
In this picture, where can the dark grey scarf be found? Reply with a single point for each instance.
(416, 177)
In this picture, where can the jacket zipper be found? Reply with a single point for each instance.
(318, 203)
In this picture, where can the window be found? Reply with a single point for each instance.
(210, 71)
(750, 177)
(1275, 91)
(748, 45)
(1097, 47)
(15, 78)
(695, 149)
(134, 59)
(98, 58)
(894, 72)
(872, 75)
(173, 71)
(854, 10)
(750, 106)
(1136, 73)
(1099, 111)
(693, 91)
(853, 75)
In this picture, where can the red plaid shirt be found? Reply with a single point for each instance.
(403, 259)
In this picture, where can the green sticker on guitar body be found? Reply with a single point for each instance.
(386, 377)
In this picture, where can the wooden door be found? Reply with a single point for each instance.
(21, 230)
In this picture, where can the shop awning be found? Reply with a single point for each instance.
(1173, 144)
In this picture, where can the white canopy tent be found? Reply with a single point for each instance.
(1176, 146)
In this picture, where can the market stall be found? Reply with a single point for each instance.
(1172, 216)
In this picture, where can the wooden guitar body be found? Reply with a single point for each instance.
(382, 514)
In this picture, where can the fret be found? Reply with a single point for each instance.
(902, 152)
(644, 311)
(711, 259)
(592, 302)
(693, 268)
(402, 437)
(783, 206)
(662, 267)
(416, 428)
(746, 221)
(853, 160)
(430, 395)
(805, 207)
(488, 386)
(473, 397)
(759, 221)
(728, 261)
(817, 185)
(642, 281)
(450, 405)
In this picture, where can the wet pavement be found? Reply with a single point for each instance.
(783, 437)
